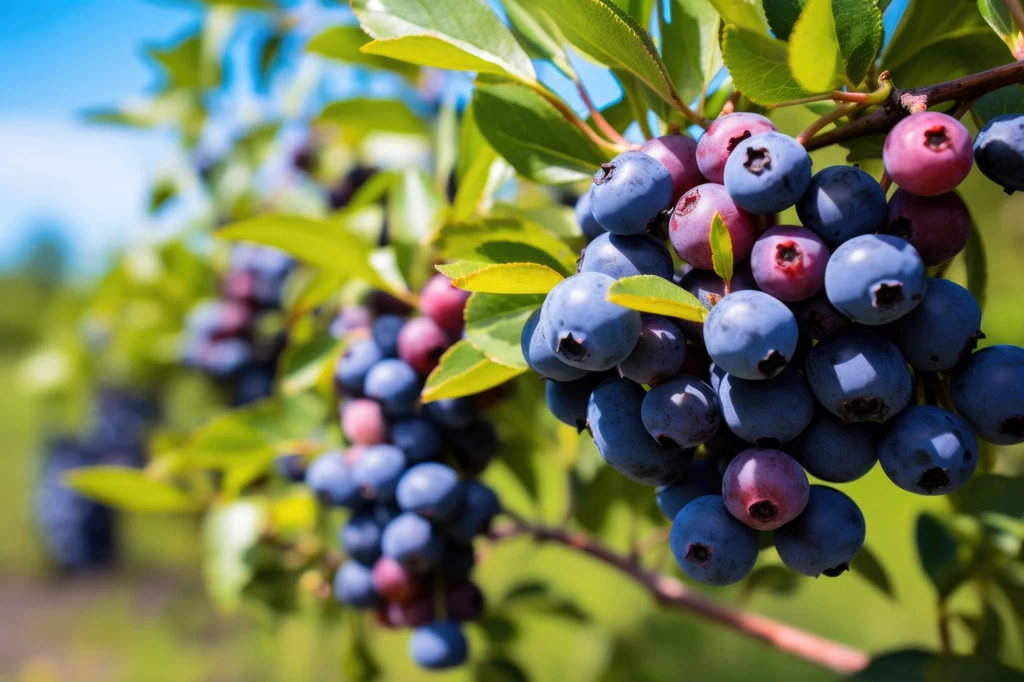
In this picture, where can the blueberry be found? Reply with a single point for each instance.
(682, 412)
(421, 342)
(395, 385)
(361, 538)
(842, 202)
(362, 422)
(629, 192)
(291, 468)
(430, 489)
(227, 357)
(875, 279)
(690, 225)
(937, 334)
(413, 613)
(540, 357)
(836, 452)
(928, 450)
(417, 438)
(444, 304)
(999, 151)
(464, 600)
(413, 542)
(769, 412)
(710, 545)
(825, 538)
(332, 480)
(568, 400)
(789, 263)
(928, 153)
(859, 375)
(438, 645)
(702, 478)
(723, 136)
(658, 355)
(378, 470)
(353, 365)
(585, 219)
(678, 153)
(764, 488)
(625, 256)
(988, 391)
(709, 289)
(751, 335)
(478, 506)
(350, 319)
(767, 173)
(584, 329)
(385, 331)
(938, 227)
(393, 582)
(451, 413)
(474, 446)
(817, 318)
(614, 420)
(353, 585)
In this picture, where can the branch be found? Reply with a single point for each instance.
(671, 593)
(880, 121)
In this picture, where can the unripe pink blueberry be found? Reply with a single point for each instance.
(938, 227)
(443, 303)
(928, 153)
(393, 582)
(678, 153)
(789, 262)
(362, 422)
(765, 488)
(421, 342)
(690, 225)
(722, 136)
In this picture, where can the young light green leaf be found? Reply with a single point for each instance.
(464, 370)
(304, 365)
(781, 15)
(721, 249)
(502, 278)
(814, 57)
(464, 35)
(759, 67)
(745, 14)
(867, 566)
(859, 30)
(343, 43)
(128, 489)
(653, 294)
(998, 17)
(494, 324)
(977, 266)
(506, 239)
(358, 117)
(690, 45)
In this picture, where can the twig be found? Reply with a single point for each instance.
(945, 640)
(599, 120)
(671, 593)
(830, 117)
(571, 116)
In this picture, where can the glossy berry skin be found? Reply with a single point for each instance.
(988, 391)
(825, 538)
(355, 363)
(629, 192)
(393, 582)
(678, 153)
(421, 342)
(658, 355)
(938, 227)
(353, 585)
(789, 263)
(928, 450)
(817, 318)
(875, 279)
(567, 401)
(710, 545)
(477, 507)
(413, 542)
(585, 330)
(331, 479)
(682, 412)
(385, 331)
(361, 538)
(709, 289)
(585, 219)
(928, 153)
(767, 173)
(702, 478)
(859, 375)
(723, 136)
(618, 256)
(690, 225)
(751, 335)
(842, 202)
(614, 420)
(999, 151)
(769, 412)
(836, 452)
(765, 488)
(417, 438)
(430, 489)
(444, 304)
(378, 470)
(362, 422)
(451, 413)
(438, 645)
(540, 357)
(941, 331)
(395, 385)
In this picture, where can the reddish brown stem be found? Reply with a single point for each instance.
(671, 593)
(599, 120)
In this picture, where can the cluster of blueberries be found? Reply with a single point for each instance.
(228, 338)
(79, 533)
(408, 475)
(803, 356)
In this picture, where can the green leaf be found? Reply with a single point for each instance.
(303, 366)
(814, 58)
(745, 14)
(343, 43)
(499, 670)
(506, 239)
(226, 442)
(538, 35)
(128, 489)
(721, 249)
(531, 134)
(989, 633)
(229, 533)
(640, 10)
(464, 370)
(940, 554)
(782, 14)
(998, 17)
(690, 45)
(923, 666)
(463, 35)
(653, 294)
(480, 171)
(361, 116)
(502, 278)
(759, 67)
(977, 266)
(867, 566)
(164, 189)
(494, 324)
(858, 26)
(1008, 100)
(993, 493)
(777, 580)
(415, 212)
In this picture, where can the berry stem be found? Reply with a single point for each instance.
(672, 593)
(830, 117)
(599, 120)
(572, 118)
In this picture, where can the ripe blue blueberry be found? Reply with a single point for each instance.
(702, 478)
(817, 318)
(474, 446)
(588, 225)
(385, 331)
(438, 645)
(928, 450)
(999, 151)
(709, 289)
(361, 537)
(751, 335)
(584, 329)
(859, 375)
(395, 385)
(825, 538)
(842, 202)
(430, 489)
(540, 357)
(767, 173)
(629, 192)
(621, 256)
(988, 391)
(658, 355)
(378, 470)
(417, 438)
(941, 331)
(332, 480)
(353, 585)
(478, 506)
(710, 545)
(682, 412)
(836, 452)
(764, 488)
(451, 413)
(769, 412)
(614, 420)
(568, 400)
(723, 136)
(875, 278)
(412, 541)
